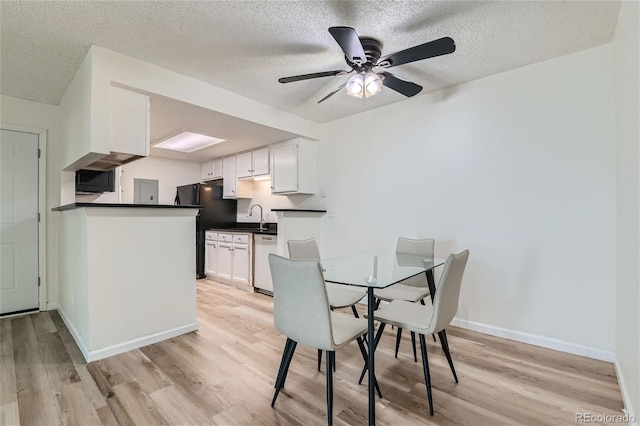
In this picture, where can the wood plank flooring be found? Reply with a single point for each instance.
(224, 374)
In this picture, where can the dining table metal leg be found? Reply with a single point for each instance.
(431, 282)
(372, 396)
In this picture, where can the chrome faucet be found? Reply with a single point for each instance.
(262, 227)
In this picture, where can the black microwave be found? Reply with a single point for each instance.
(95, 182)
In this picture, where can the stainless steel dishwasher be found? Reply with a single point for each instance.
(264, 244)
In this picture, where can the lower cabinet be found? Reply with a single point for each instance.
(211, 258)
(241, 268)
(233, 259)
(225, 261)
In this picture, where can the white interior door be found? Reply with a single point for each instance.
(19, 219)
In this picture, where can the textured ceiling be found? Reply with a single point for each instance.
(246, 46)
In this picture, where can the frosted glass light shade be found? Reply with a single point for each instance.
(188, 142)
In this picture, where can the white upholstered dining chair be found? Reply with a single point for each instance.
(340, 296)
(414, 289)
(301, 312)
(429, 319)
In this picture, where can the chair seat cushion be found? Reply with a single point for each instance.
(402, 292)
(346, 328)
(411, 316)
(343, 296)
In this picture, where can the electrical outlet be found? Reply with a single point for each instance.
(332, 213)
(323, 193)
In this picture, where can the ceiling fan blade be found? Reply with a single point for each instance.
(348, 40)
(442, 46)
(332, 93)
(310, 76)
(400, 85)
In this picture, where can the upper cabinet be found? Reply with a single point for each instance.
(253, 163)
(231, 186)
(292, 167)
(129, 122)
(261, 161)
(244, 165)
(212, 169)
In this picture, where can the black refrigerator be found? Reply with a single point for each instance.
(216, 213)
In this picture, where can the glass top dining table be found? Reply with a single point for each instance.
(377, 270)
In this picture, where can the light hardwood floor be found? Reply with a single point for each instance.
(224, 374)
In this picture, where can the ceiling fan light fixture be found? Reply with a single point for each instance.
(372, 84)
(355, 86)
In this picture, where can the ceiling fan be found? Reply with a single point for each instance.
(363, 56)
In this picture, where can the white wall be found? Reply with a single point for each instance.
(127, 277)
(169, 174)
(519, 168)
(626, 59)
(37, 116)
(262, 195)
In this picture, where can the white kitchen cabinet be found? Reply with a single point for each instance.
(225, 260)
(212, 169)
(244, 165)
(241, 270)
(129, 122)
(211, 254)
(292, 167)
(231, 186)
(263, 246)
(252, 164)
(234, 261)
(261, 161)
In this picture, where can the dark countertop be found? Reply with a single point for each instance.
(299, 210)
(135, 206)
(253, 228)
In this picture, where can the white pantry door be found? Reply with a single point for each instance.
(19, 219)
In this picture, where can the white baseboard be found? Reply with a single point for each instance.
(52, 306)
(139, 342)
(537, 340)
(625, 395)
(74, 333)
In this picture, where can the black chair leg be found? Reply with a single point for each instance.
(445, 347)
(427, 376)
(398, 337)
(413, 342)
(330, 364)
(377, 305)
(355, 311)
(319, 358)
(375, 345)
(282, 363)
(289, 358)
(287, 355)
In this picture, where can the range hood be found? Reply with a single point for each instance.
(111, 161)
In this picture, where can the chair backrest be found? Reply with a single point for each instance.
(445, 304)
(300, 306)
(303, 249)
(423, 248)
(417, 247)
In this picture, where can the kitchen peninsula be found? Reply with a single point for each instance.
(127, 273)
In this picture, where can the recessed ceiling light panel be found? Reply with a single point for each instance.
(188, 142)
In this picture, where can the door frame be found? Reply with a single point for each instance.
(42, 208)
